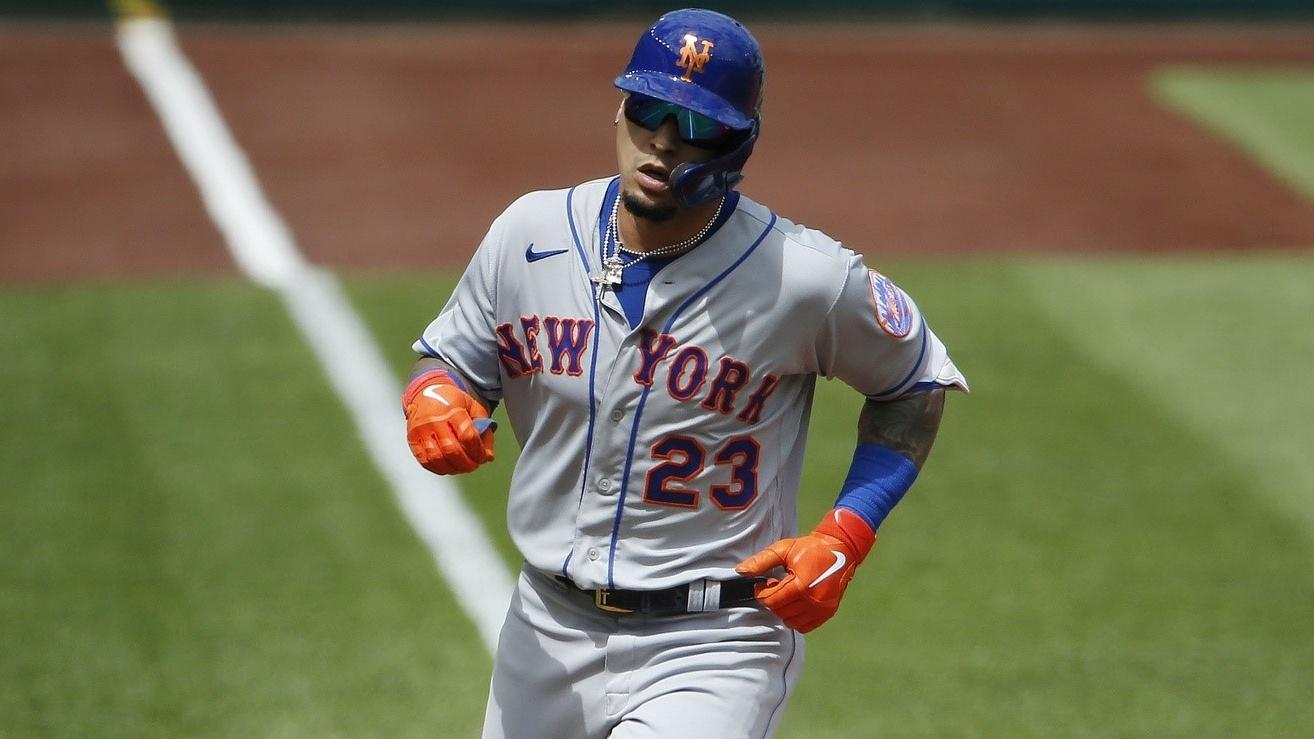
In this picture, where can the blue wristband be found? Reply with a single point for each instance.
(877, 480)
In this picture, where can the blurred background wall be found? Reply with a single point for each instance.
(965, 9)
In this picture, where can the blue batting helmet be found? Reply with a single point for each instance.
(709, 63)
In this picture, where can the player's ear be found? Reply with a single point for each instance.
(619, 110)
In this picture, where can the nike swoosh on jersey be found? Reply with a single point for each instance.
(534, 256)
(840, 559)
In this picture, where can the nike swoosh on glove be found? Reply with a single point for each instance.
(449, 432)
(818, 568)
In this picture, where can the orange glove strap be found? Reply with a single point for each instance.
(424, 379)
(848, 527)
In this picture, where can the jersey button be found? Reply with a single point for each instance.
(617, 415)
(604, 484)
(594, 554)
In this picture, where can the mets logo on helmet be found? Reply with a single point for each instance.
(892, 311)
(691, 59)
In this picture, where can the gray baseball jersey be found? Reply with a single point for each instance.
(661, 453)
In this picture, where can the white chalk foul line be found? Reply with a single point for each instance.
(264, 249)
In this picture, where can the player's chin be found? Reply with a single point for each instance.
(643, 204)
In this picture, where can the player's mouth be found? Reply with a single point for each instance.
(652, 178)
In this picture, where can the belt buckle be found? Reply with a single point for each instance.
(600, 596)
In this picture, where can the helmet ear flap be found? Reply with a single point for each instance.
(698, 183)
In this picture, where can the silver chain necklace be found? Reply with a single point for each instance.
(613, 267)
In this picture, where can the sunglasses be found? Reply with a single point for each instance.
(694, 128)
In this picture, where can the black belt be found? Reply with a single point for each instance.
(707, 595)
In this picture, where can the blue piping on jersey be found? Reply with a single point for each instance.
(604, 224)
(784, 681)
(921, 354)
(593, 367)
(574, 234)
(633, 295)
(432, 353)
(638, 411)
(430, 350)
(922, 387)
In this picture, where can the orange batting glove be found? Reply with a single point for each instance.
(449, 431)
(818, 568)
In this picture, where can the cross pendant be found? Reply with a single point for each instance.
(611, 270)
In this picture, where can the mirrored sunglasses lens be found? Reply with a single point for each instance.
(649, 112)
(696, 127)
(693, 127)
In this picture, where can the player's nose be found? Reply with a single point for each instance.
(667, 136)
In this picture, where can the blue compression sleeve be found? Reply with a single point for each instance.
(877, 480)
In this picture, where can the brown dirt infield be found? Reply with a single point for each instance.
(393, 147)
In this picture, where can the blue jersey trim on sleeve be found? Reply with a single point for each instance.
(638, 410)
(432, 353)
(428, 350)
(921, 354)
(922, 387)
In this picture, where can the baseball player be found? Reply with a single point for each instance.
(656, 337)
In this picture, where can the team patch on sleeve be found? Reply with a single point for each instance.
(892, 311)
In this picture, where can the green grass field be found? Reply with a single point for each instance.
(1114, 536)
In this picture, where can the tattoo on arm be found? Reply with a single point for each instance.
(907, 425)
